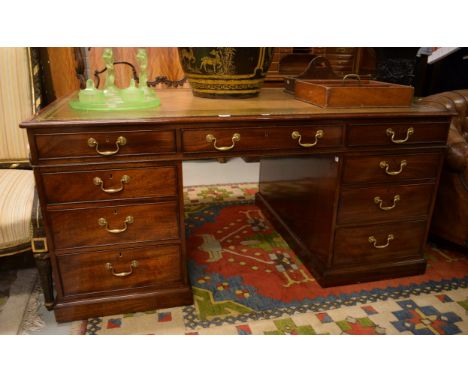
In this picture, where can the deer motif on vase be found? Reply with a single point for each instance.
(214, 62)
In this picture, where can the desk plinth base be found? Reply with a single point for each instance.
(328, 277)
(133, 302)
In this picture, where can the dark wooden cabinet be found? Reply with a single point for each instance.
(351, 190)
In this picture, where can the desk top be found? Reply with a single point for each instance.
(179, 105)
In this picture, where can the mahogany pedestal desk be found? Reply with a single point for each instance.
(351, 190)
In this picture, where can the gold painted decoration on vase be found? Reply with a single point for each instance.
(225, 72)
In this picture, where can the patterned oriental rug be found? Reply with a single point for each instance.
(246, 280)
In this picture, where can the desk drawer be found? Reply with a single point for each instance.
(251, 139)
(397, 134)
(104, 145)
(378, 243)
(389, 202)
(391, 168)
(96, 185)
(116, 270)
(86, 227)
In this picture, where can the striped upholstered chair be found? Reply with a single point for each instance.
(20, 219)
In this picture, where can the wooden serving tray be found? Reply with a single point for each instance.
(353, 93)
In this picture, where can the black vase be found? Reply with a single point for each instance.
(225, 72)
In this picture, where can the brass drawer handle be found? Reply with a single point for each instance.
(385, 165)
(99, 182)
(378, 200)
(133, 265)
(391, 133)
(103, 223)
(373, 241)
(351, 75)
(296, 135)
(210, 138)
(121, 141)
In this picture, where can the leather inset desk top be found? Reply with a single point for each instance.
(180, 104)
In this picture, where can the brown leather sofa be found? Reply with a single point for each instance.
(450, 219)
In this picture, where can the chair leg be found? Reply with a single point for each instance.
(45, 274)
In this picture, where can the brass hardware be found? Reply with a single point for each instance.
(99, 182)
(103, 223)
(210, 138)
(378, 200)
(295, 135)
(121, 141)
(391, 133)
(352, 75)
(39, 245)
(385, 165)
(133, 265)
(373, 241)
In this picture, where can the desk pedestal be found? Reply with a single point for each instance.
(345, 239)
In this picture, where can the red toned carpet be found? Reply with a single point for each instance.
(246, 280)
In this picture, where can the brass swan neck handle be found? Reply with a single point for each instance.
(121, 141)
(103, 223)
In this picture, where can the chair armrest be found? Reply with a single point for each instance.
(38, 239)
(455, 101)
(457, 154)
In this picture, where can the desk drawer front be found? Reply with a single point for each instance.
(389, 202)
(87, 227)
(397, 134)
(95, 185)
(115, 270)
(378, 243)
(251, 139)
(104, 145)
(391, 168)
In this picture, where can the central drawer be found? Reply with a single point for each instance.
(251, 139)
(117, 270)
(113, 183)
(86, 227)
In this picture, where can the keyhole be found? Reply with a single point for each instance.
(110, 176)
(120, 254)
(115, 212)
